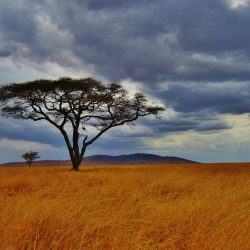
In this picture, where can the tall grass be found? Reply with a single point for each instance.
(126, 207)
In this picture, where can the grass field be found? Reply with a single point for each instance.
(204, 206)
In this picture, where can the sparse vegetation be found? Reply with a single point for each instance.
(126, 207)
(31, 156)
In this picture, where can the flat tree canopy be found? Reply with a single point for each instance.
(30, 156)
(73, 106)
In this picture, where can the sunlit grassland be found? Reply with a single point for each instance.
(189, 206)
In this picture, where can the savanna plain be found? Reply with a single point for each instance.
(175, 206)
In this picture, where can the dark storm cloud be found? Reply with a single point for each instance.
(5, 53)
(112, 4)
(227, 98)
(26, 131)
(213, 126)
(208, 123)
(159, 41)
(17, 26)
(181, 125)
(142, 40)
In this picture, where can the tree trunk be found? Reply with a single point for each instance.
(75, 154)
(75, 168)
(76, 164)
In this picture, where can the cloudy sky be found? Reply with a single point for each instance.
(192, 56)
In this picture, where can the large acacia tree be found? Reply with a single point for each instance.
(74, 106)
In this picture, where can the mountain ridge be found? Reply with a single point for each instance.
(136, 158)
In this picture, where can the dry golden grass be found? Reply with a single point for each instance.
(126, 207)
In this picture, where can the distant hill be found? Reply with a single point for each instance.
(107, 159)
(134, 159)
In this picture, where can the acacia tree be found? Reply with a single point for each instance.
(75, 107)
(29, 157)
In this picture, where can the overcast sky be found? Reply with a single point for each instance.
(192, 56)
